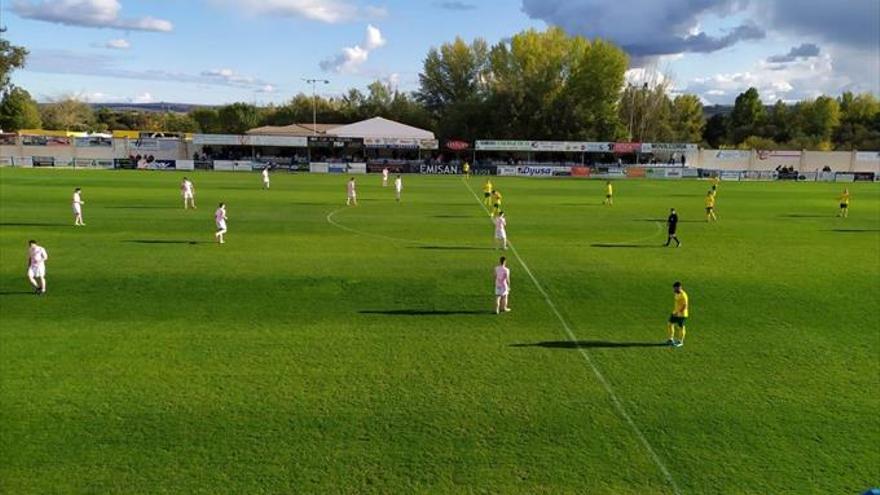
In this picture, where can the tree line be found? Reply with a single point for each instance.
(536, 85)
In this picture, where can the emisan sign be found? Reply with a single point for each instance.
(439, 169)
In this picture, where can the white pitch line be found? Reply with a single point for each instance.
(618, 405)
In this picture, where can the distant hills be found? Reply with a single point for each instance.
(149, 107)
(708, 110)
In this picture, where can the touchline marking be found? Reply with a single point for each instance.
(599, 376)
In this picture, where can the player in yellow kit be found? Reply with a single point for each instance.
(844, 204)
(488, 187)
(679, 315)
(496, 203)
(466, 169)
(609, 194)
(710, 207)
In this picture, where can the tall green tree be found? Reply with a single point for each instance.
(688, 119)
(19, 111)
(747, 115)
(11, 57)
(68, 114)
(452, 87)
(548, 85)
(717, 130)
(238, 118)
(207, 119)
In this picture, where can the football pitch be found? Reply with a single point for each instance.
(326, 349)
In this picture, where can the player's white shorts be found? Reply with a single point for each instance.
(77, 209)
(37, 271)
(352, 196)
(188, 195)
(502, 291)
(221, 225)
(501, 236)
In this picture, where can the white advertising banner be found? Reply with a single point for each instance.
(844, 177)
(186, 165)
(551, 146)
(402, 143)
(778, 154)
(5, 161)
(224, 165)
(730, 175)
(23, 161)
(246, 140)
(868, 156)
(732, 155)
(243, 166)
(669, 148)
(506, 170)
(318, 168)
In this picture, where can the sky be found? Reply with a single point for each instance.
(262, 51)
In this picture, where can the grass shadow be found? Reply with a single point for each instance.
(454, 248)
(663, 220)
(143, 207)
(16, 293)
(627, 246)
(423, 312)
(855, 230)
(34, 224)
(163, 241)
(590, 344)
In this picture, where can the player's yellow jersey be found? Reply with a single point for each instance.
(487, 187)
(496, 197)
(844, 199)
(710, 201)
(466, 167)
(609, 190)
(681, 304)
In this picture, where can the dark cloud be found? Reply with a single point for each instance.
(854, 23)
(644, 28)
(455, 5)
(806, 50)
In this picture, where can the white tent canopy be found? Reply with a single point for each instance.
(377, 127)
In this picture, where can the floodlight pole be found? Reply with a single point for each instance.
(314, 83)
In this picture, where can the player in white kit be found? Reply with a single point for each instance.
(501, 230)
(266, 178)
(352, 193)
(385, 172)
(36, 272)
(398, 187)
(77, 208)
(502, 286)
(220, 220)
(189, 194)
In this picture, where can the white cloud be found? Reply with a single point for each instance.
(143, 98)
(353, 57)
(117, 44)
(328, 11)
(87, 13)
(231, 77)
(805, 78)
(374, 38)
(267, 89)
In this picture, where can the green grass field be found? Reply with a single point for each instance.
(360, 354)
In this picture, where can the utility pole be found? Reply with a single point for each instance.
(314, 83)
